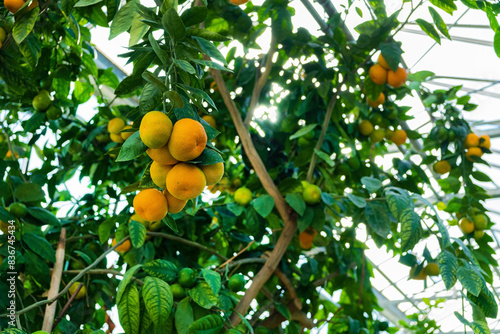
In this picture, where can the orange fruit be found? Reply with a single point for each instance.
(377, 135)
(484, 142)
(379, 101)
(473, 152)
(431, 269)
(378, 74)
(442, 167)
(159, 173)
(365, 127)
(126, 135)
(161, 155)
(243, 196)
(125, 247)
(213, 85)
(3, 35)
(14, 5)
(210, 120)
(116, 137)
(116, 125)
(238, 3)
(398, 78)
(421, 275)
(472, 140)
(188, 139)
(382, 62)
(213, 173)
(174, 205)
(306, 238)
(151, 205)
(185, 181)
(8, 155)
(155, 129)
(466, 225)
(399, 137)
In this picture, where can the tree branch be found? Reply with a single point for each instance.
(75, 279)
(50, 310)
(289, 218)
(261, 81)
(65, 308)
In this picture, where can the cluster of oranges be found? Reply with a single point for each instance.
(118, 130)
(477, 225)
(476, 146)
(172, 147)
(381, 74)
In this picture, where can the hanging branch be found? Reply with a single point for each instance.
(261, 81)
(55, 281)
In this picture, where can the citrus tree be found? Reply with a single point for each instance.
(234, 184)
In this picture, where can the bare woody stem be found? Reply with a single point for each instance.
(75, 279)
(65, 308)
(261, 81)
(289, 218)
(55, 281)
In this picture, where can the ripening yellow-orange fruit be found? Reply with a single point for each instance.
(398, 78)
(126, 135)
(378, 74)
(421, 275)
(473, 152)
(442, 167)
(185, 181)
(210, 120)
(116, 137)
(484, 142)
(158, 173)
(116, 125)
(379, 101)
(151, 205)
(472, 140)
(162, 155)
(399, 137)
(188, 139)
(14, 5)
(213, 173)
(431, 269)
(466, 225)
(155, 129)
(382, 62)
(125, 247)
(238, 3)
(175, 205)
(365, 127)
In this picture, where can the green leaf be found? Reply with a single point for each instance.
(283, 310)
(129, 310)
(83, 91)
(360, 202)
(210, 50)
(29, 192)
(150, 98)
(5, 215)
(155, 81)
(377, 218)
(105, 229)
(129, 84)
(127, 278)
(203, 295)
(138, 30)
(445, 236)
(207, 157)
(371, 183)
(123, 19)
(486, 302)
(211, 64)
(303, 131)
(411, 230)
(325, 157)
(40, 246)
(480, 176)
(158, 300)
(31, 50)
(296, 202)
(213, 280)
(263, 204)
(184, 316)
(85, 3)
(163, 269)
(446, 5)
(467, 251)
(372, 89)
(37, 267)
(132, 148)
(439, 22)
(34, 122)
(162, 54)
(429, 30)
(209, 324)
(207, 34)
(13, 330)
(448, 268)
(470, 280)
(200, 93)
(185, 66)
(391, 52)
(194, 15)
(480, 327)
(174, 25)
(24, 24)
(496, 43)
(44, 216)
(137, 233)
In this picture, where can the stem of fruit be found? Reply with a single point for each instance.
(55, 281)
(286, 213)
(75, 279)
(261, 81)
